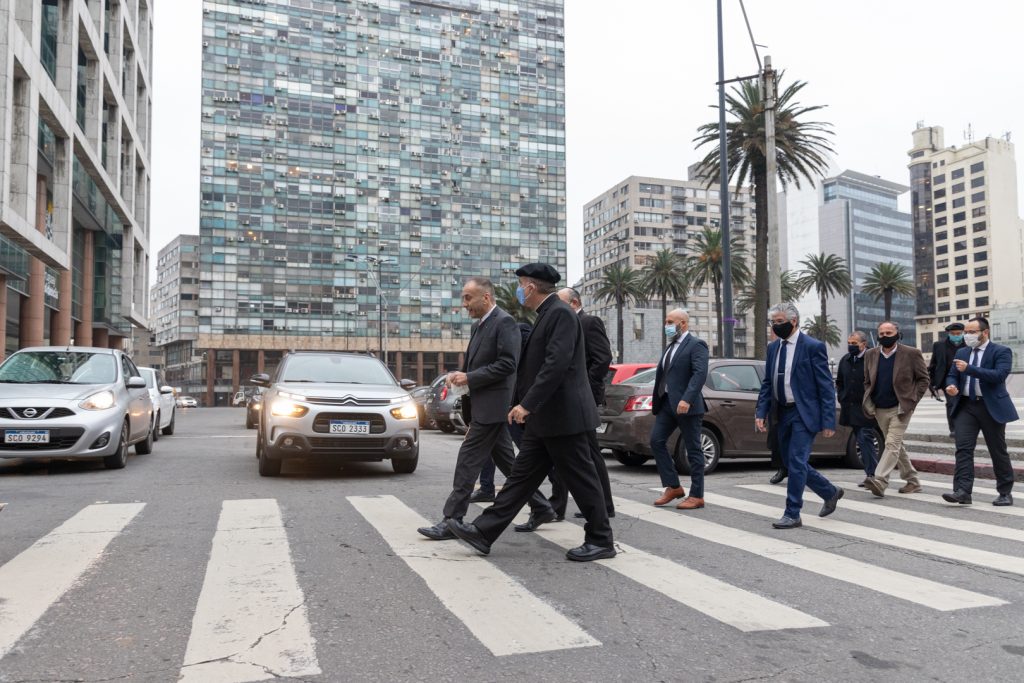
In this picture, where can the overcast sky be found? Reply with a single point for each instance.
(641, 75)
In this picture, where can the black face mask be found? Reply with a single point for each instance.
(782, 330)
(854, 349)
(888, 342)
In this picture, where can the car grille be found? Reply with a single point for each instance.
(348, 401)
(322, 423)
(347, 444)
(41, 413)
(59, 439)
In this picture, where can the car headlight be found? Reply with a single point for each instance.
(102, 400)
(285, 408)
(257, 406)
(406, 411)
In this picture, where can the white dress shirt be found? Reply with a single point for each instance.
(788, 371)
(973, 378)
(670, 352)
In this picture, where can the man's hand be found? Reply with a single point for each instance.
(828, 433)
(458, 379)
(683, 408)
(952, 390)
(759, 425)
(518, 415)
(961, 365)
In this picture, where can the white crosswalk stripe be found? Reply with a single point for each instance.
(972, 510)
(250, 622)
(471, 587)
(948, 486)
(40, 575)
(897, 584)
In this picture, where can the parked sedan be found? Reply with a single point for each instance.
(163, 402)
(440, 403)
(728, 432)
(187, 402)
(73, 403)
(421, 395)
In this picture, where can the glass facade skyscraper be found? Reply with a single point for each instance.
(360, 160)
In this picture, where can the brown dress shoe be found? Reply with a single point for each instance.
(910, 487)
(691, 503)
(670, 495)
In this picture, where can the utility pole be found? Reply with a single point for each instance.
(769, 96)
(728, 321)
(380, 316)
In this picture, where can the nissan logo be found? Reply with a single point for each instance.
(29, 412)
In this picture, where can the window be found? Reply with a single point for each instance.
(959, 187)
(734, 378)
(957, 173)
(981, 286)
(959, 216)
(960, 246)
(652, 189)
(942, 292)
(979, 226)
(980, 241)
(959, 202)
(960, 260)
(942, 249)
(980, 256)
(942, 278)
(961, 275)
(960, 232)
(978, 182)
(981, 301)
(963, 289)
(941, 178)
(942, 263)
(941, 192)
(962, 304)
(978, 197)
(978, 212)
(978, 167)
(981, 271)
(939, 236)
(944, 306)
(940, 207)
(940, 221)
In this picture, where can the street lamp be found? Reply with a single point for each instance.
(379, 261)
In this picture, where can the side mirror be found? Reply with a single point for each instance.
(407, 384)
(136, 382)
(260, 380)
(166, 389)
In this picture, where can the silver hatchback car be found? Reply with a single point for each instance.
(340, 407)
(73, 402)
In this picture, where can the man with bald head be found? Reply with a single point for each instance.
(679, 404)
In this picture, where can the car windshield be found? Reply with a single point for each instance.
(642, 377)
(59, 367)
(335, 369)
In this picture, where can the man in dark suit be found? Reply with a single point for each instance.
(798, 387)
(977, 385)
(599, 357)
(554, 401)
(489, 372)
(850, 390)
(678, 403)
(943, 353)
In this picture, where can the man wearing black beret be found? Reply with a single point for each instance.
(943, 352)
(555, 405)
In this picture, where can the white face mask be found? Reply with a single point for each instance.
(972, 339)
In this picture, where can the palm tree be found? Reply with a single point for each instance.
(790, 292)
(801, 152)
(704, 265)
(664, 276)
(827, 275)
(620, 284)
(885, 280)
(505, 298)
(827, 332)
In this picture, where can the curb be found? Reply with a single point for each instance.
(946, 466)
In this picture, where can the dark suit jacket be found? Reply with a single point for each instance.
(599, 354)
(810, 381)
(552, 379)
(491, 360)
(684, 378)
(909, 377)
(991, 373)
(942, 359)
(850, 390)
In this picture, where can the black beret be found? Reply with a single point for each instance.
(539, 271)
(954, 326)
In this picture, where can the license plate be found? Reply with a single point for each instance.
(349, 427)
(27, 436)
(602, 428)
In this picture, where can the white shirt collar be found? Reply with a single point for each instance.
(793, 337)
(889, 355)
(981, 347)
(484, 316)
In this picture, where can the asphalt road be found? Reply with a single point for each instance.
(156, 578)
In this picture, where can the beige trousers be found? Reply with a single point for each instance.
(893, 426)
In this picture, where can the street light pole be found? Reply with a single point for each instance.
(380, 316)
(770, 98)
(726, 343)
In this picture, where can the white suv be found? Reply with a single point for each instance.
(163, 402)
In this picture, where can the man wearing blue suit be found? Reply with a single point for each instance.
(798, 386)
(679, 403)
(977, 383)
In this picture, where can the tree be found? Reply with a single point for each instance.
(704, 265)
(801, 152)
(790, 293)
(505, 298)
(665, 277)
(827, 332)
(827, 275)
(885, 280)
(622, 285)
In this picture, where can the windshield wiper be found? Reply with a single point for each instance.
(48, 381)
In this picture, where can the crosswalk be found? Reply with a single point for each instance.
(250, 619)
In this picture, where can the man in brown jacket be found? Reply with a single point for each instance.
(895, 379)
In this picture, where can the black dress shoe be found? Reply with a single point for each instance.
(471, 535)
(580, 515)
(588, 552)
(779, 476)
(481, 496)
(786, 522)
(438, 532)
(957, 496)
(536, 520)
(1003, 499)
(829, 505)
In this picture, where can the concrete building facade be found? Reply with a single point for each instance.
(75, 125)
(175, 314)
(360, 161)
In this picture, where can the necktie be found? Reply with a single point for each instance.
(970, 379)
(668, 355)
(780, 374)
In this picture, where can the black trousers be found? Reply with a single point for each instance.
(560, 494)
(973, 417)
(570, 457)
(484, 441)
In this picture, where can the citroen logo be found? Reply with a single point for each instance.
(29, 412)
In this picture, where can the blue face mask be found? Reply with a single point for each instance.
(521, 295)
(671, 331)
(956, 338)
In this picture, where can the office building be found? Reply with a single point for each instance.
(361, 160)
(75, 113)
(968, 236)
(175, 315)
(633, 220)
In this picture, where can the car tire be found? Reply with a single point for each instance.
(267, 467)
(405, 465)
(169, 429)
(145, 447)
(630, 459)
(709, 443)
(446, 427)
(119, 459)
(156, 428)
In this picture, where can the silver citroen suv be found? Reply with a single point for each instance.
(340, 407)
